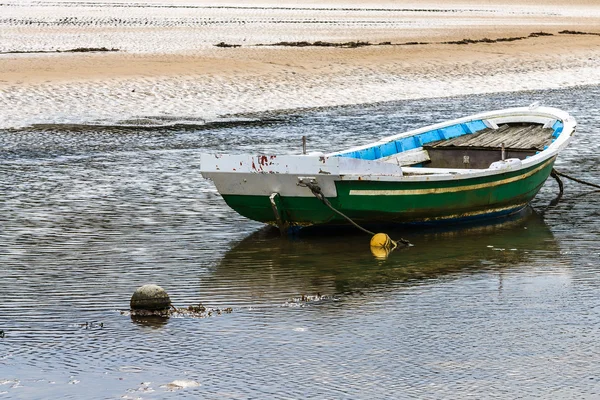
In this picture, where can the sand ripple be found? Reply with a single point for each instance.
(168, 70)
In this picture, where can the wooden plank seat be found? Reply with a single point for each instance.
(408, 157)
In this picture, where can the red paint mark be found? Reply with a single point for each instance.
(261, 161)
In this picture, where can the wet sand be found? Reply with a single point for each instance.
(167, 65)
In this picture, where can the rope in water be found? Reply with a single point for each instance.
(561, 187)
(316, 190)
(555, 172)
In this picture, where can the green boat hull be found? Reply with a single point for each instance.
(405, 202)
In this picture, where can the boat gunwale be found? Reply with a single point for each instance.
(349, 169)
(441, 174)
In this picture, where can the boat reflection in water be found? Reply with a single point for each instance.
(265, 268)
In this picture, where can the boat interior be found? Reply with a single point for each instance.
(472, 145)
(481, 149)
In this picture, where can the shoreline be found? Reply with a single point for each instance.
(467, 52)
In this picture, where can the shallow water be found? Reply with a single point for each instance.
(88, 214)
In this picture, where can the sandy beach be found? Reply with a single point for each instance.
(157, 62)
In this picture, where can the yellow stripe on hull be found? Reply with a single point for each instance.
(410, 192)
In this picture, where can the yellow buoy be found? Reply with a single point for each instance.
(382, 245)
(380, 253)
(381, 240)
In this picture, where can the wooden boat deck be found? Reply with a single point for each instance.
(481, 149)
(522, 137)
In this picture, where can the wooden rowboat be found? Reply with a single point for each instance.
(485, 165)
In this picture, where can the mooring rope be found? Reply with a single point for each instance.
(561, 186)
(318, 193)
(316, 190)
(555, 172)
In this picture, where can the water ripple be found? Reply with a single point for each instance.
(89, 213)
